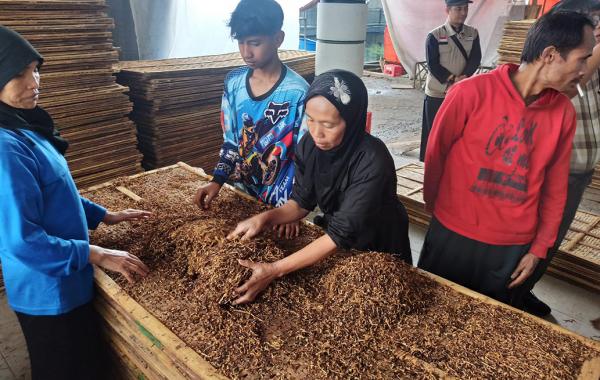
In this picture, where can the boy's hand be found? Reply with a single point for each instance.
(206, 194)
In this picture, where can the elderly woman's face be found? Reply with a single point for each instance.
(325, 124)
(23, 90)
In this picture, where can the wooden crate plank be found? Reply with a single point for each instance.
(173, 346)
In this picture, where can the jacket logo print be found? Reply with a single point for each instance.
(277, 111)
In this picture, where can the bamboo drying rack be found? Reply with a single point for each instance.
(144, 348)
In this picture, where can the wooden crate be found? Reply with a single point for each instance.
(142, 344)
(143, 347)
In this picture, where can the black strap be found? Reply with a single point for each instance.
(460, 47)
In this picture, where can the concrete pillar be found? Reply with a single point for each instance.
(341, 33)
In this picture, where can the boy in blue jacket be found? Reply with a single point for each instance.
(261, 112)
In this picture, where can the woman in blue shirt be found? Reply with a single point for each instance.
(44, 246)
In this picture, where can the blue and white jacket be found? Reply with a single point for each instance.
(260, 134)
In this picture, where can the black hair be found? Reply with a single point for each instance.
(562, 29)
(582, 6)
(256, 18)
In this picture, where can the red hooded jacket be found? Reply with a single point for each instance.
(496, 170)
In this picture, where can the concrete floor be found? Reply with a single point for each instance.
(14, 361)
(397, 121)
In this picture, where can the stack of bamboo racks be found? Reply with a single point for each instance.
(77, 84)
(177, 104)
(513, 39)
(577, 260)
(591, 196)
(410, 193)
(596, 178)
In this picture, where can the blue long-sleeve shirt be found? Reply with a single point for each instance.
(44, 244)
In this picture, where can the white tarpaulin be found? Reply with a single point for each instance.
(186, 28)
(201, 27)
(410, 21)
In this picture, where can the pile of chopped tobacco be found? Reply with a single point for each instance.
(354, 315)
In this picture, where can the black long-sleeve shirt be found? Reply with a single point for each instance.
(366, 213)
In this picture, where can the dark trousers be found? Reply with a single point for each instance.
(66, 346)
(577, 185)
(478, 266)
(430, 108)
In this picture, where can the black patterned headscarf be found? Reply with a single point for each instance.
(349, 96)
(16, 53)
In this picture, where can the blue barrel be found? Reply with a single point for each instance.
(307, 44)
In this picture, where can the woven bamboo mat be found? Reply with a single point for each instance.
(77, 84)
(220, 61)
(410, 193)
(579, 257)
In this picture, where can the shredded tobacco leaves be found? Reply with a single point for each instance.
(360, 315)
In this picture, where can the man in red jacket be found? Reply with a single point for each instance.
(497, 163)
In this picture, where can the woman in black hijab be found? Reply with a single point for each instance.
(348, 173)
(44, 245)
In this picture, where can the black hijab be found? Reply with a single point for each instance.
(16, 53)
(348, 94)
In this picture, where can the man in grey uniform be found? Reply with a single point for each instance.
(453, 54)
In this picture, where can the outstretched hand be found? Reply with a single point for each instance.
(248, 228)
(262, 275)
(125, 216)
(118, 261)
(205, 195)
